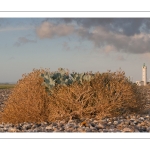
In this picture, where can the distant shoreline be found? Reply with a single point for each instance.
(8, 82)
(6, 85)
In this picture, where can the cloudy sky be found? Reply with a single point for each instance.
(77, 44)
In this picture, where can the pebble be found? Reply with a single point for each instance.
(127, 130)
(11, 129)
(100, 126)
(115, 122)
(49, 128)
(140, 123)
(4, 94)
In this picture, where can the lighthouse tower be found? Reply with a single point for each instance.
(144, 74)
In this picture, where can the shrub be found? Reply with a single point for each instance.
(107, 95)
(28, 101)
(116, 95)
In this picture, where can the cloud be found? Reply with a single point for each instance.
(111, 41)
(127, 26)
(128, 35)
(23, 40)
(50, 30)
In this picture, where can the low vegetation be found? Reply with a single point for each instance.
(106, 95)
(7, 86)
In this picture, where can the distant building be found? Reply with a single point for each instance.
(139, 83)
(144, 76)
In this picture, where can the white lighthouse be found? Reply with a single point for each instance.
(144, 74)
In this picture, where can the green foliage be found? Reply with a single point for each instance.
(62, 77)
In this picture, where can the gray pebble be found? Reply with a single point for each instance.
(115, 122)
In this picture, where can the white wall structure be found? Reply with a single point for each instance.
(139, 83)
(144, 74)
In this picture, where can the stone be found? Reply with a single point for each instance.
(12, 129)
(132, 124)
(120, 121)
(107, 119)
(114, 118)
(42, 129)
(136, 130)
(69, 130)
(61, 129)
(112, 126)
(127, 130)
(34, 126)
(76, 126)
(1, 126)
(26, 126)
(135, 122)
(5, 129)
(148, 129)
(126, 122)
(37, 130)
(56, 130)
(141, 118)
(43, 124)
(62, 122)
(38, 124)
(128, 117)
(117, 130)
(144, 128)
(88, 130)
(8, 125)
(92, 124)
(100, 130)
(115, 122)
(95, 121)
(111, 130)
(1, 130)
(54, 124)
(134, 116)
(70, 125)
(100, 126)
(109, 123)
(18, 127)
(142, 124)
(132, 119)
(49, 128)
(105, 130)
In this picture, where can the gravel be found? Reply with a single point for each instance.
(4, 94)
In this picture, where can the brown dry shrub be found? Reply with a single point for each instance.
(146, 89)
(70, 102)
(107, 95)
(28, 101)
(117, 95)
